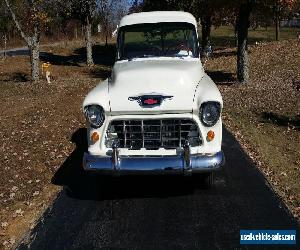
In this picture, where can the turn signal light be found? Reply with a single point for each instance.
(95, 137)
(210, 135)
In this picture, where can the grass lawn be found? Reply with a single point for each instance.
(224, 35)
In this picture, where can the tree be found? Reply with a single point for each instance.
(88, 41)
(205, 10)
(137, 6)
(109, 14)
(32, 35)
(243, 23)
(107, 11)
(269, 11)
(5, 26)
(62, 20)
(281, 9)
(63, 11)
(84, 10)
(213, 12)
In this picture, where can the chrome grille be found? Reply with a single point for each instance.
(152, 134)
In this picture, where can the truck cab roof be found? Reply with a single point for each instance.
(158, 17)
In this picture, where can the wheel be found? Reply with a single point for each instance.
(203, 181)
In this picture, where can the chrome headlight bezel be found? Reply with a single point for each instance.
(94, 115)
(210, 113)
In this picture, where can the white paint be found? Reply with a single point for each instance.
(174, 77)
(182, 78)
(158, 17)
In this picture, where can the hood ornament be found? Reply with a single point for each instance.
(150, 101)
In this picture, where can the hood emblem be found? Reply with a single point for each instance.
(149, 101)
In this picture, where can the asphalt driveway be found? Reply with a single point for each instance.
(158, 212)
(21, 51)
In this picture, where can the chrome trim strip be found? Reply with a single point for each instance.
(115, 157)
(158, 164)
(187, 156)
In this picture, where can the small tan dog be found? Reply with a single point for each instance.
(46, 68)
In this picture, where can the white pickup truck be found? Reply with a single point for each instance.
(158, 112)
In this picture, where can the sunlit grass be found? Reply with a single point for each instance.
(225, 35)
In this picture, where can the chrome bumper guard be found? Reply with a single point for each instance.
(178, 164)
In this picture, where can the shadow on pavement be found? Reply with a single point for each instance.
(223, 53)
(82, 185)
(15, 77)
(222, 78)
(281, 120)
(70, 60)
(100, 72)
(16, 52)
(102, 55)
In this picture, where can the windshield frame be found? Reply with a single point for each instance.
(161, 25)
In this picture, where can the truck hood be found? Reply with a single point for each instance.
(173, 78)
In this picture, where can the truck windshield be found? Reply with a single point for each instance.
(157, 40)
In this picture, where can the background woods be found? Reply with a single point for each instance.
(58, 20)
(74, 19)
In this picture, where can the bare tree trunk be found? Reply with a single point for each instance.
(35, 61)
(242, 36)
(206, 27)
(16, 22)
(33, 42)
(5, 45)
(88, 40)
(277, 22)
(35, 50)
(75, 33)
(277, 29)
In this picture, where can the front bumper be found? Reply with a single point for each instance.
(178, 164)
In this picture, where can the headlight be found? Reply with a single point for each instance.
(94, 114)
(210, 113)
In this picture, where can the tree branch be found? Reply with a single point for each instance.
(17, 23)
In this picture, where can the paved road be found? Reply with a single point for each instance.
(15, 51)
(157, 212)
